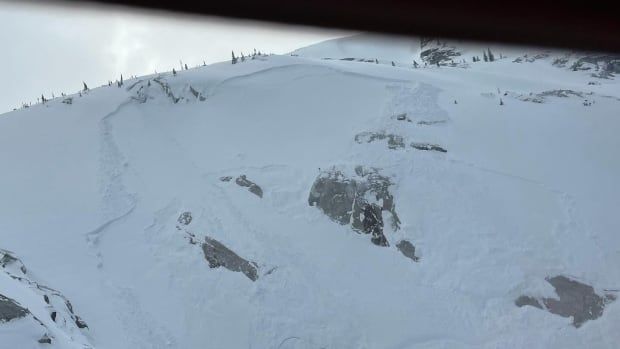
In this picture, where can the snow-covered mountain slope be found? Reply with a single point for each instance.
(298, 202)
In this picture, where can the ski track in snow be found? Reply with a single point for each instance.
(116, 199)
(117, 203)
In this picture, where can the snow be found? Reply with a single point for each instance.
(92, 192)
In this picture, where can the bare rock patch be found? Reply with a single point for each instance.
(575, 299)
(218, 255)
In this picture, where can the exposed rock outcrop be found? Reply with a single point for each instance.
(428, 146)
(11, 263)
(252, 187)
(45, 339)
(185, 218)
(438, 52)
(10, 309)
(603, 65)
(575, 299)
(358, 201)
(60, 309)
(544, 95)
(407, 249)
(219, 255)
(394, 141)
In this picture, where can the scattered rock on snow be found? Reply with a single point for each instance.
(45, 339)
(427, 146)
(425, 122)
(14, 268)
(252, 187)
(225, 178)
(358, 201)
(575, 299)
(185, 218)
(402, 117)
(407, 249)
(394, 141)
(80, 323)
(542, 96)
(10, 309)
(10, 262)
(219, 255)
(530, 58)
(604, 64)
(437, 52)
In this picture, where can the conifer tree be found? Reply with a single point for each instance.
(174, 72)
(234, 59)
(484, 56)
(85, 86)
(185, 66)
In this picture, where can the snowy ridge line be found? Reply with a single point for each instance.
(213, 89)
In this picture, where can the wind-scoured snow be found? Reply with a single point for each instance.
(92, 193)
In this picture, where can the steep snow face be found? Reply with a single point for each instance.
(175, 211)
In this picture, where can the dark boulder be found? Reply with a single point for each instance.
(45, 339)
(218, 255)
(407, 249)
(185, 218)
(345, 201)
(575, 299)
(252, 187)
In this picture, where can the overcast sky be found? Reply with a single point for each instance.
(49, 49)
